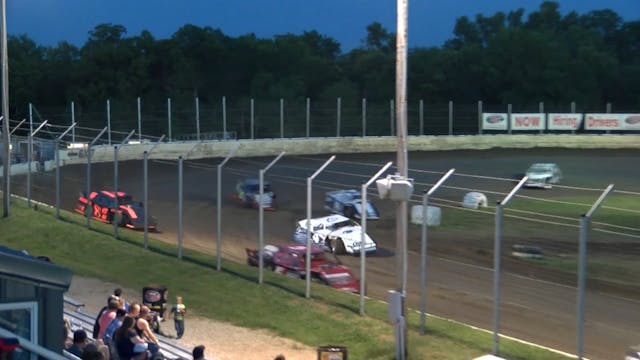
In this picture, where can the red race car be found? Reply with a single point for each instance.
(289, 259)
(102, 206)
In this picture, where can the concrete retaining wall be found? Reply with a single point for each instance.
(22, 168)
(272, 147)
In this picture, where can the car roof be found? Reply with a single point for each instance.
(255, 182)
(112, 194)
(301, 249)
(330, 219)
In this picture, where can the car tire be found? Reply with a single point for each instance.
(349, 212)
(338, 247)
(124, 220)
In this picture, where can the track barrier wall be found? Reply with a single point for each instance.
(312, 146)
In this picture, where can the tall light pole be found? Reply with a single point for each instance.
(402, 160)
(6, 138)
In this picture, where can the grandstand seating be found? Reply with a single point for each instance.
(81, 319)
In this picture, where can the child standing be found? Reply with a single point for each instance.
(178, 311)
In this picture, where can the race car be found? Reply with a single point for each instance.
(543, 175)
(349, 204)
(247, 194)
(336, 233)
(290, 260)
(101, 205)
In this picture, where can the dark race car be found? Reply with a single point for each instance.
(248, 194)
(102, 206)
(349, 204)
(289, 259)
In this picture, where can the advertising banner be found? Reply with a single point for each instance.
(494, 121)
(614, 122)
(566, 121)
(533, 121)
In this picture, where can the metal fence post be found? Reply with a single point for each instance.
(450, 117)
(261, 217)
(339, 113)
(608, 112)
(480, 117)
(541, 111)
(219, 208)
(573, 111)
(169, 119)
(421, 117)
(224, 117)
(363, 215)
(109, 121)
(281, 118)
(308, 242)
(89, 211)
(364, 117)
(582, 266)
(198, 118)
(180, 161)
(252, 121)
(139, 119)
(73, 120)
(146, 190)
(115, 218)
(497, 261)
(423, 248)
(509, 110)
(57, 156)
(308, 117)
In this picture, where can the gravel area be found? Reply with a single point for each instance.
(223, 341)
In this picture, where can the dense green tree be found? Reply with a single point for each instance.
(501, 58)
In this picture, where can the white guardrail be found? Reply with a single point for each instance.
(343, 145)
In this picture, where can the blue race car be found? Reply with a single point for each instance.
(349, 204)
(247, 194)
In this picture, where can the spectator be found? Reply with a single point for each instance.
(67, 328)
(128, 344)
(134, 310)
(114, 325)
(198, 353)
(91, 352)
(123, 303)
(107, 316)
(96, 325)
(178, 311)
(279, 357)
(79, 343)
(144, 330)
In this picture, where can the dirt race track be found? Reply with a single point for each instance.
(537, 304)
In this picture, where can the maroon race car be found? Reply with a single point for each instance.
(102, 206)
(289, 259)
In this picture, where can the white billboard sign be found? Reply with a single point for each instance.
(564, 121)
(494, 121)
(533, 121)
(612, 122)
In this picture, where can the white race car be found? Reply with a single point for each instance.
(543, 175)
(336, 233)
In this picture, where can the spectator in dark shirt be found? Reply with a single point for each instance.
(79, 343)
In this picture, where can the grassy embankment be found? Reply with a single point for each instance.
(233, 295)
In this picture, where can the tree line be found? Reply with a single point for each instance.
(590, 58)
